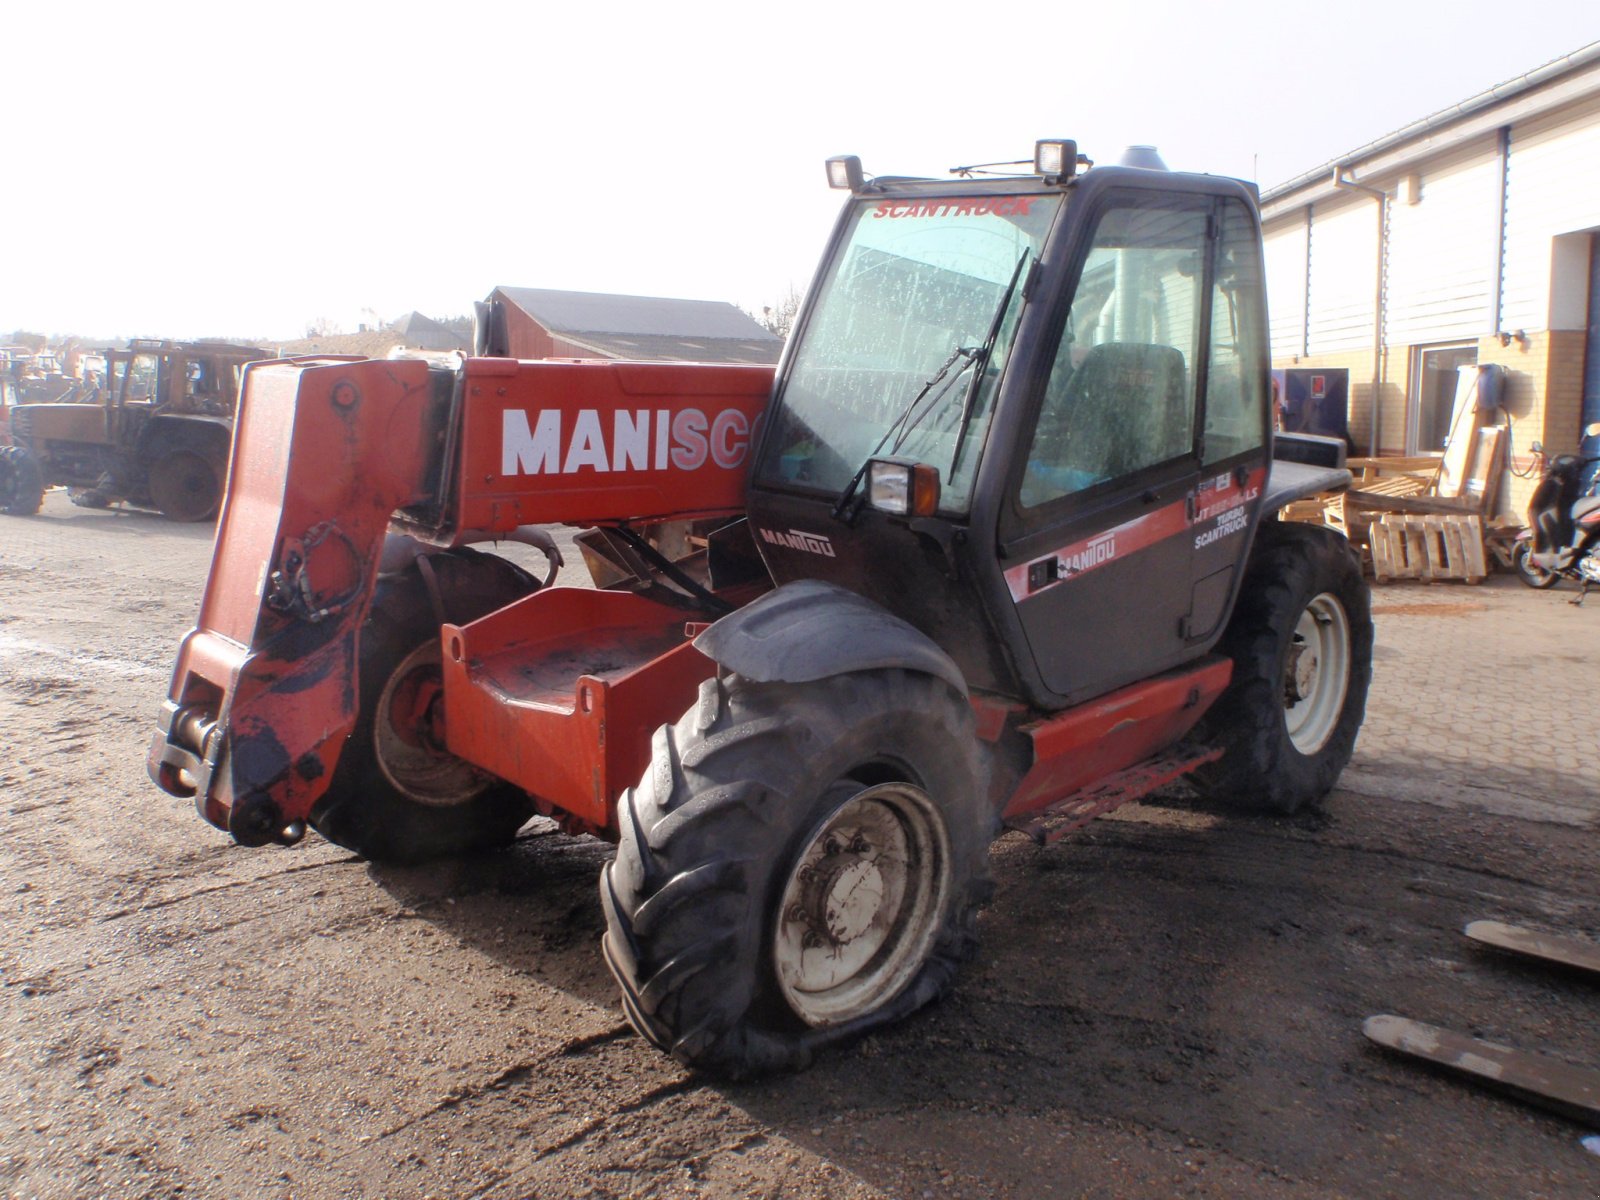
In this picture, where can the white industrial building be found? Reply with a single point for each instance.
(1469, 236)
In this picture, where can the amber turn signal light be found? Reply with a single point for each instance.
(902, 487)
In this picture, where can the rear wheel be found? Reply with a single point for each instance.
(1530, 572)
(185, 486)
(1301, 643)
(21, 482)
(802, 863)
(398, 795)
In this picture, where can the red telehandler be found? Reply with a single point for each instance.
(994, 548)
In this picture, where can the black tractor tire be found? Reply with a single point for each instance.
(1530, 572)
(21, 482)
(855, 805)
(397, 795)
(186, 486)
(1301, 643)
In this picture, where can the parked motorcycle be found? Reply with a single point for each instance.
(1562, 540)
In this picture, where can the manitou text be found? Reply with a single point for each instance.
(554, 441)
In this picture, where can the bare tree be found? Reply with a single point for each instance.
(778, 319)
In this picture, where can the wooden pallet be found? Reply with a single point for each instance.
(1427, 546)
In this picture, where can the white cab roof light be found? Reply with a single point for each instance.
(844, 171)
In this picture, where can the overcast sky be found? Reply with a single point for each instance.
(239, 169)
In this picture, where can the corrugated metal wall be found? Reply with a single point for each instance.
(1441, 258)
(1285, 248)
(1550, 190)
(1442, 251)
(1590, 446)
(1343, 276)
(527, 338)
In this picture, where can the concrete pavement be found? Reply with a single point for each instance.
(1484, 697)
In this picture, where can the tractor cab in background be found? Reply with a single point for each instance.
(154, 431)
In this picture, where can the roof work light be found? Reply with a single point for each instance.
(844, 171)
(1055, 158)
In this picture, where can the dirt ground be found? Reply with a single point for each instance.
(1168, 1004)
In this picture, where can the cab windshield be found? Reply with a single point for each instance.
(890, 359)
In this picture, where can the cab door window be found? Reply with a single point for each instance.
(1121, 392)
(1236, 393)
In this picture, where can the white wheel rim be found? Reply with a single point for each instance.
(863, 903)
(1316, 673)
(408, 753)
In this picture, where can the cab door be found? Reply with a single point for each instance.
(1101, 564)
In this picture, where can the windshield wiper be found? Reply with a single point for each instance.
(901, 427)
(908, 420)
(981, 359)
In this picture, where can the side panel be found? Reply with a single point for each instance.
(1122, 603)
(66, 423)
(1109, 601)
(591, 442)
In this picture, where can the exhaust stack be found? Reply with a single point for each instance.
(1142, 156)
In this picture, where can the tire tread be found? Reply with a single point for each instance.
(21, 482)
(705, 845)
(1260, 769)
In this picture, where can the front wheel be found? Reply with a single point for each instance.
(802, 863)
(1301, 643)
(21, 482)
(1530, 572)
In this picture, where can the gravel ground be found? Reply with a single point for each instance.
(1168, 1004)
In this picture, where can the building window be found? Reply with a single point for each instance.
(1433, 394)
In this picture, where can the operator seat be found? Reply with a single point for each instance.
(1124, 408)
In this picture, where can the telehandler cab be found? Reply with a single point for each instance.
(995, 549)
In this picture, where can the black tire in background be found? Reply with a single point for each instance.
(186, 486)
(21, 482)
(1301, 643)
(1530, 572)
(801, 863)
(397, 796)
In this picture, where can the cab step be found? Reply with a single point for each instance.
(1076, 810)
